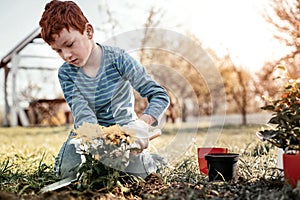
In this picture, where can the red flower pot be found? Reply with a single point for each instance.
(291, 163)
(202, 151)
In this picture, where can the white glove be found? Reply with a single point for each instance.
(141, 131)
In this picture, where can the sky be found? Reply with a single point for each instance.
(235, 25)
(223, 25)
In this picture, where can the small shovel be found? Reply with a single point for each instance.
(59, 184)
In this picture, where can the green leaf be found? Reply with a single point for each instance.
(267, 134)
(268, 107)
(274, 120)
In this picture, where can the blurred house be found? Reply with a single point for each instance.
(44, 111)
(49, 112)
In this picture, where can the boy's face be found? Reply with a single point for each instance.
(72, 46)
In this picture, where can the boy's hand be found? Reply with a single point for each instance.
(140, 130)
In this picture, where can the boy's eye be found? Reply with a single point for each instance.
(70, 44)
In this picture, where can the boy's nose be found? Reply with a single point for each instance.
(67, 55)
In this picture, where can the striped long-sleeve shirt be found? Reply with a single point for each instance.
(108, 98)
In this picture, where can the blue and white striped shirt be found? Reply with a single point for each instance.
(108, 98)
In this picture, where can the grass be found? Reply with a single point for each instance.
(27, 156)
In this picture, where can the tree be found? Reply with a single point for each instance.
(180, 72)
(170, 68)
(238, 85)
(179, 63)
(284, 18)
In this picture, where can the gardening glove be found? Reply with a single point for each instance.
(142, 134)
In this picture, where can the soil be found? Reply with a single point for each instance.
(154, 188)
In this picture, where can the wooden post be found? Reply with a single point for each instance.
(23, 117)
(6, 106)
(14, 107)
(16, 112)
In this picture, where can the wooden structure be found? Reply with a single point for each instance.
(49, 112)
(13, 112)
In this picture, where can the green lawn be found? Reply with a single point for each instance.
(27, 157)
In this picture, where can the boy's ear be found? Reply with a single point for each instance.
(89, 30)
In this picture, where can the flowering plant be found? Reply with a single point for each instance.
(285, 132)
(104, 155)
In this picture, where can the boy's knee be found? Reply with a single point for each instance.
(68, 162)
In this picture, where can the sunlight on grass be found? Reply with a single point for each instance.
(27, 157)
(27, 146)
(21, 145)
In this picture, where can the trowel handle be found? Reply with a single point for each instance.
(154, 134)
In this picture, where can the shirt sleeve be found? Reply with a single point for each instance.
(79, 106)
(145, 85)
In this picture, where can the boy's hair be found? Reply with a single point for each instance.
(59, 15)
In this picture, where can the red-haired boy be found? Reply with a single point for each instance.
(97, 83)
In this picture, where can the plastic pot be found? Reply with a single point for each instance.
(222, 166)
(291, 163)
(202, 151)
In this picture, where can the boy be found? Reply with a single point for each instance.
(97, 83)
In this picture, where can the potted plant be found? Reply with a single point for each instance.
(284, 126)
